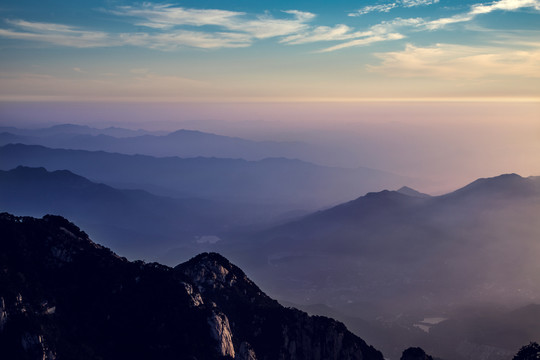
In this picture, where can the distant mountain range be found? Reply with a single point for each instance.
(64, 131)
(389, 255)
(133, 222)
(181, 143)
(476, 243)
(64, 297)
(277, 181)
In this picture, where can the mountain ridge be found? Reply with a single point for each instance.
(121, 218)
(80, 300)
(280, 181)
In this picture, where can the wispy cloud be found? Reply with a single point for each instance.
(411, 3)
(389, 6)
(392, 30)
(170, 27)
(69, 36)
(365, 41)
(450, 61)
(374, 8)
(480, 9)
(164, 16)
(323, 33)
(181, 38)
(56, 34)
(170, 17)
(384, 31)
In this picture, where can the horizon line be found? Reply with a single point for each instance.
(67, 99)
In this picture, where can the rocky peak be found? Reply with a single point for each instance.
(219, 280)
(63, 296)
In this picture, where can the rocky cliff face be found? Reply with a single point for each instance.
(261, 325)
(64, 297)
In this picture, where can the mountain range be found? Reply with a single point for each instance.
(63, 296)
(181, 143)
(277, 181)
(134, 223)
(400, 267)
(479, 240)
(67, 130)
(393, 258)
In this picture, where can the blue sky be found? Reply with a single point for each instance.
(269, 50)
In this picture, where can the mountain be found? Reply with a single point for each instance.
(63, 296)
(396, 259)
(294, 183)
(405, 190)
(133, 222)
(65, 131)
(182, 143)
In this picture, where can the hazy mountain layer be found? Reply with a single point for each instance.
(387, 261)
(135, 223)
(182, 143)
(477, 243)
(65, 131)
(293, 183)
(63, 296)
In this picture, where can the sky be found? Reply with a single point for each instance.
(215, 51)
(439, 89)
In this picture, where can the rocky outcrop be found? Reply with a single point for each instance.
(63, 296)
(221, 332)
(261, 327)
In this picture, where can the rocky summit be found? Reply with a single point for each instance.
(63, 296)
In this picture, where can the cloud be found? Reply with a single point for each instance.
(365, 41)
(180, 38)
(387, 7)
(64, 35)
(165, 17)
(374, 8)
(323, 33)
(384, 31)
(450, 61)
(169, 29)
(411, 3)
(56, 34)
(480, 9)
(507, 5)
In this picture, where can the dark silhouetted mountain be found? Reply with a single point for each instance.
(132, 222)
(63, 296)
(528, 352)
(415, 353)
(273, 181)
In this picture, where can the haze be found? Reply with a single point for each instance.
(442, 145)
